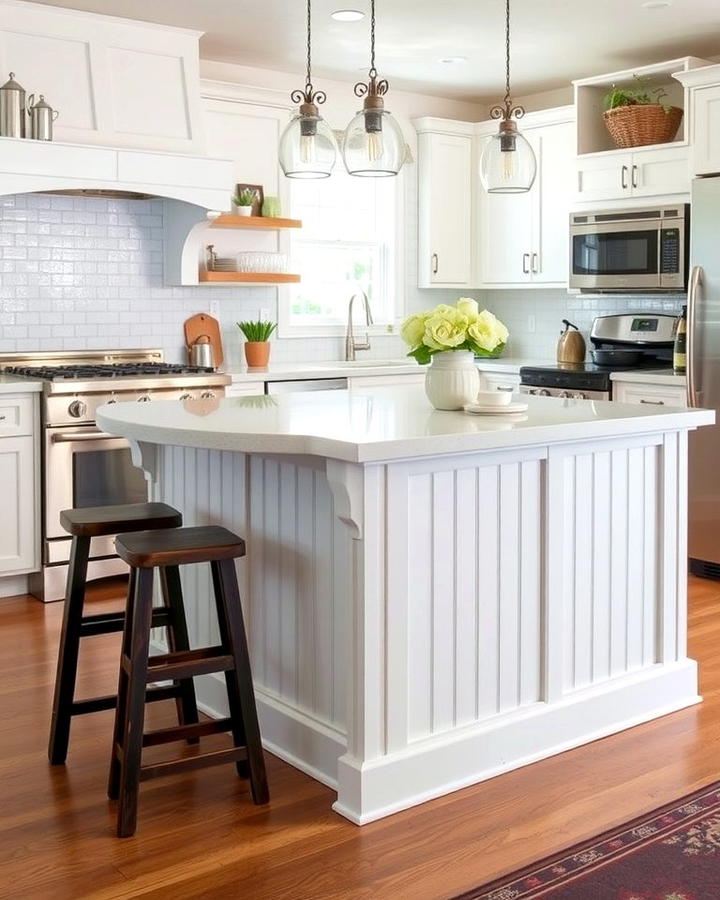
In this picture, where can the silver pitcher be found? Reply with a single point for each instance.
(42, 116)
(12, 109)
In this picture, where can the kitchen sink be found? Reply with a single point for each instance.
(365, 364)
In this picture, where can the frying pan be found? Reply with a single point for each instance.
(619, 358)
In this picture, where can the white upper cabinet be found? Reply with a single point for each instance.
(523, 238)
(637, 173)
(704, 87)
(114, 81)
(608, 174)
(445, 204)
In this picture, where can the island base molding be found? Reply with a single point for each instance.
(381, 787)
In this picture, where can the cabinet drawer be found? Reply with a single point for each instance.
(16, 415)
(649, 394)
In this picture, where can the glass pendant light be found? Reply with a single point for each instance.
(508, 164)
(307, 146)
(374, 144)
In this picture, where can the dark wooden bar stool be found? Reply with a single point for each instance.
(83, 525)
(145, 551)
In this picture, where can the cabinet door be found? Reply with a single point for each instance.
(444, 208)
(555, 148)
(18, 544)
(663, 171)
(604, 178)
(706, 130)
(506, 235)
(649, 394)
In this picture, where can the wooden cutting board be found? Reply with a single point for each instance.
(203, 324)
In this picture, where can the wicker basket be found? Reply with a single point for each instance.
(636, 126)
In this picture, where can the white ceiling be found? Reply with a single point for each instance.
(554, 41)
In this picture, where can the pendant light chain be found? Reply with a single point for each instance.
(309, 96)
(373, 70)
(308, 77)
(507, 52)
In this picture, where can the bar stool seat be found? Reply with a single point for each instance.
(84, 524)
(95, 521)
(145, 551)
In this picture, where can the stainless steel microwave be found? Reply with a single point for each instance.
(630, 249)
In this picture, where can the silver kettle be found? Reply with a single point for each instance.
(201, 353)
(12, 109)
(42, 116)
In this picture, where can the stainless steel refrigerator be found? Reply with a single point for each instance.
(703, 373)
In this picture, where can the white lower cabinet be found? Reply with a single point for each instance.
(649, 394)
(19, 486)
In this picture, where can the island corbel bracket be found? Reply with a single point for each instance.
(145, 457)
(347, 485)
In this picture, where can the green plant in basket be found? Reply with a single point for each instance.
(643, 94)
(460, 327)
(245, 197)
(257, 331)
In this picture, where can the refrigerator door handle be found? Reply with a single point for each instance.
(694, 288)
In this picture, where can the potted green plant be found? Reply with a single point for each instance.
(257, 342)
(636, 116)
(244, 200)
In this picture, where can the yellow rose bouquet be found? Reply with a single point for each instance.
(459, 327)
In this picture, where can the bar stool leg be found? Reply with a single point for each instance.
(68, 651)
(114, 777)
(239, 681)
(134, 706)
(178, 640)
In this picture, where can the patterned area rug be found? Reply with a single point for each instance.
(672, 853)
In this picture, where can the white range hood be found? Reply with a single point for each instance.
(32, 166)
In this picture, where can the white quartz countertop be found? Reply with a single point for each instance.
(651, 376)
(379, 423)
(362, 368)
(14, 384)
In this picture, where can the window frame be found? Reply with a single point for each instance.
(397, 285)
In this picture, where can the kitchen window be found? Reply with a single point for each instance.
(350, 241)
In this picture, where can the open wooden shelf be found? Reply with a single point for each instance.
(247, 278)
(227, 220)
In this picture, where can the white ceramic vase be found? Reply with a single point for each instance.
(452, 380)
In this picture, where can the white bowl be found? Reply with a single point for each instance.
(496, 397)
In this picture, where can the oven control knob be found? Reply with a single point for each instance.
(543, 392)
(77, 409)
(143, 399)
(186, 396)
(566, 395)
(579, 396)
(208, 395)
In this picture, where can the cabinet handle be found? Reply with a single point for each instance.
(2, 418)
(434, 259)
(623, 177)
(634, 176)
(653, 402)
(534, 265)
(526, 263)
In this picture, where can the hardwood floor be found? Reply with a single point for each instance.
(199, 836)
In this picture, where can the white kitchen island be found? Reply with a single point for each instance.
(435, 598)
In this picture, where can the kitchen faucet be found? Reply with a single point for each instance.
(350, 343)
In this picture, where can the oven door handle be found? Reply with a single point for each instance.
(69, 437)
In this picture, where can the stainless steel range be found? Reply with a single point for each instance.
(649, 337)
(82, 466)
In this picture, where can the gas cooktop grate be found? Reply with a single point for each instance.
(85, 372)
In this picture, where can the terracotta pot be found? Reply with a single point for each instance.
(257, 353)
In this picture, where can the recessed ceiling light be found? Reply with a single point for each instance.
(347, 15)
(656, 4)
(452, 60)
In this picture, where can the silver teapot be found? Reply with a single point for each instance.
(12, 109)
(42, 116)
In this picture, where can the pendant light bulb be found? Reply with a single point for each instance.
(508, 164)
(374, 145)
(307, 145)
